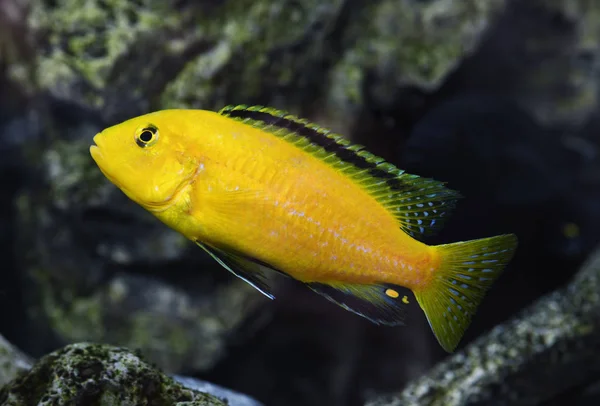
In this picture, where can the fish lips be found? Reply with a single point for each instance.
(98, 157)
(95, 150)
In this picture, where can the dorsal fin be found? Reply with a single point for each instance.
(419, 204)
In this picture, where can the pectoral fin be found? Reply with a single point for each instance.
(244, 268)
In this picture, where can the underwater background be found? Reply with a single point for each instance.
(498, 98)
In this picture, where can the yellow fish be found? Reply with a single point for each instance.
(258, 189)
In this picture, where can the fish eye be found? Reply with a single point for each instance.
(146, 136)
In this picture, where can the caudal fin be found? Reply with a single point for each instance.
(467, 270)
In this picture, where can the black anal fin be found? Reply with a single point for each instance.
(380, 304)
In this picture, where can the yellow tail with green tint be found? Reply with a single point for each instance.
(467, 270)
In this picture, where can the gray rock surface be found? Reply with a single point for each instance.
(126, 58)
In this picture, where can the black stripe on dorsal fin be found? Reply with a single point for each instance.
(419, 204)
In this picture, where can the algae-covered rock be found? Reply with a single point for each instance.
(108, 367)
(548, 349)
(97, 267)
(130, 57)
(107, 54)
(85, 374)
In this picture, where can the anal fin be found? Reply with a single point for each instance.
(244, 268)
(379, 303)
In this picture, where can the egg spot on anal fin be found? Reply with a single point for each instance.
(392, 293)
(405, 300)
(370, 301)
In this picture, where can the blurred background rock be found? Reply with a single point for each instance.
(497, 97)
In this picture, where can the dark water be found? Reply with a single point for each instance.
(510, 126)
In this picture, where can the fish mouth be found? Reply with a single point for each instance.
(98, 157)
(95, 150)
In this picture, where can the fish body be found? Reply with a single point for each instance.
(258, 189)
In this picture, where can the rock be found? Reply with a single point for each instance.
(126, 58)
(544, 54)
(96, 267)
(18, 367)
(99, 374)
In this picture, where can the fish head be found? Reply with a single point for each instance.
(148, 158)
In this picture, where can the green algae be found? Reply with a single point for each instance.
(86, 38)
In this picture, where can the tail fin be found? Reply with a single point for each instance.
(467, 269)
